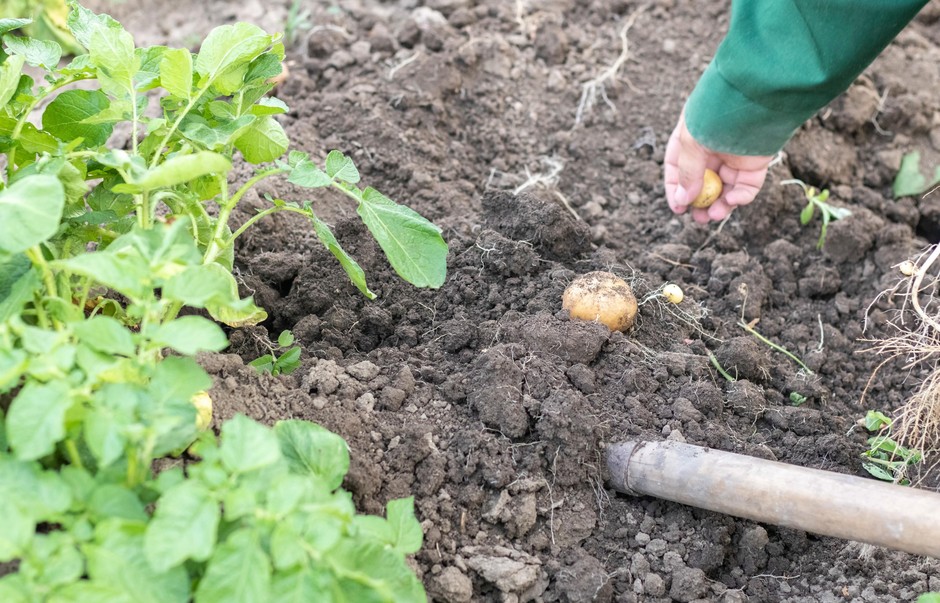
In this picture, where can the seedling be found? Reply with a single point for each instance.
(885, 458)
(286, 363)
(298, 20)
(816, 199)
(749, 327)
(797, 399)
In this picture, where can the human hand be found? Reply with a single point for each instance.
(742, 176)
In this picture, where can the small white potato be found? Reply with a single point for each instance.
(673, 293)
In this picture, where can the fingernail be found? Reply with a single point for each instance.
(682, 197)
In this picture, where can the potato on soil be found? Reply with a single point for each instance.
(711, 190)
(601, 297)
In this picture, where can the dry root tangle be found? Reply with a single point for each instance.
(916, 343)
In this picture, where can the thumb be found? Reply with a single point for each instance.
(691, 163)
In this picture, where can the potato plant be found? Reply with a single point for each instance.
(102, 244)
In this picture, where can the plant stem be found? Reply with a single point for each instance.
(48, 277)
(773, 345)
(11, 164)
(261, 214)
(74, 456)
(143, 210)
(176, 124)
(218, 243)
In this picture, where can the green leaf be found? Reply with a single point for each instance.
(353, 270)
(13, 364)
(183, 527)
(83, 22)
(11, 269)
(247, 445)
(54, 560)
(412, 244)
(104, 434)
(36, 419)
(38, 53)
(239, 572)
(19, 294)
(176, 73)
(10, 72)
(190, 335)
(216, 136)
(65, 117)
(406, 530)
(878, 471)
(371, 572)
(263, 141)
(180, 169)
(229, 48)
(228, 311)
(313, 450)
(875, 420)
(199, 285)
(111, 501)
(118, 559)
(18, 529)
(341, 167)
(909, 181)
(300, 585)
(263, 364)
(270, 106)
(30, 211)
(105, 334)
(306, 174)
(288, 362)
(285, 339)
(8, 25)
(807, 214)
(125, 272)
(929, 598)
(112, 51)
(148, 76)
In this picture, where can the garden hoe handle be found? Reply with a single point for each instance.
(812, 500)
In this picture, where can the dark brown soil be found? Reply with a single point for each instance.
(482, 399)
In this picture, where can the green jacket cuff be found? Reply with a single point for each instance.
(723, 119)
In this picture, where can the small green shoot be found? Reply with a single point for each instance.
(885, 459)
(797, 399)
(818, 199)
(286, 363)
(298, 20)
(720, 369)
(910, 182)
(750, 329)
(929, 598)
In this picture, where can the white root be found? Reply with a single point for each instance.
(597, 87)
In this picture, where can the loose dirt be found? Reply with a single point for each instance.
(482, 399)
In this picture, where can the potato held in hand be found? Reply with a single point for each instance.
(711, 190)
(601, 297)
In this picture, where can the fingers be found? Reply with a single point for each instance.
(742, 185)
(692, 161)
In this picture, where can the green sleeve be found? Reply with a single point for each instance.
(783, 60)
